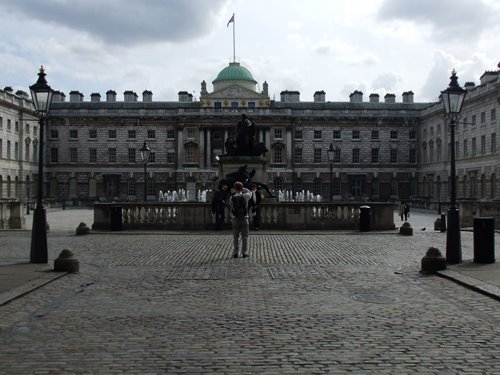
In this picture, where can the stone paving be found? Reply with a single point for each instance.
(302, 303)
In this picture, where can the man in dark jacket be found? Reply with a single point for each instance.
(219, 203)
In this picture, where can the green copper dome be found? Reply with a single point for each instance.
(235, 72)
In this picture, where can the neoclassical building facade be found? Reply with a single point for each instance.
(384, 148)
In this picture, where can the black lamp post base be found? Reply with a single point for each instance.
(453, 245)
(39, 253)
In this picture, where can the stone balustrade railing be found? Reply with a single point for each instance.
(275, 216)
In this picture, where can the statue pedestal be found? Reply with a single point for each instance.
(231, 163)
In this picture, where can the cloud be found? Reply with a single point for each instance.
(449, 19)
(125, 22)
(387, 81)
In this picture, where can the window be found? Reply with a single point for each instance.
(131, 134)
(27, 152)
(217, 105)
(278, 134)
(317, 189)
(112, 155)
(278, 183)
(131, 187)
(355, 155)
(466, 151)
(394, 155)
(473, 147)
(54, 155)
(394, 134)
(170, 156)
(493, 115)
(375, 158)
(152, 157)
(336, 134)
(394, 187)
(73, 133)
(298, 134)
(336, 156)
(190, 155)
(170, 134)
(278, 154)
(317, 155)
(191, 133)
(1, 125)
(16, 151)
(54, 133)
(151, 191)
(473, 120)
(1, 148)
(9, 125)
(375, 187)
(16, 125)
(355, 134)
(234, 105)
(483, 145)
(297, 155)
(493, 143)
(8, 149)
(131, 155)
(92, 155)
(112, 134)
(412, 134)
(317, 134)
(337, 186)
(375, 134)
(412, 157)
(483, 117)
(151, 134)
(92, 134)
(251, 105)
(73, 155)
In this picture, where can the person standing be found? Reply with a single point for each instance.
(219, 204)
(404, 209)
(239, 211)
(254, 203)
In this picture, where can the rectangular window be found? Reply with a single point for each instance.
(473, 147)
(73, 155)
(493, 143)
(54, 155)
(191, 133)
(131, 134)
(355, 155)
(218, 105)
(92, 155)
(375, 159)
(278, 134)
(170, 134)
(317, 134)
(9, 125)
(394, 134)
(152, 157)
(336, 134)
(412, 156)
(355, 134)
(131, 155)
(8, 149)
(151, 134)
(336, 156)
(73, 133)
(54, 134)
(1, 123)
(375, 134)
(297, 155)
(466, 151)
(234, 105)
(493, 115)
(112, 155)
(251, 105)
(483, 145)
(112, 134)
(131, 187)
(190, 155)
(16, 151)
(412, 134)
(278, 155)
(27, 152)
(298, 134)
(17, 126)
(394, 155)
(170, 156)
(1, 149)
(483, 117)
(473, 120)
(317, 155)
(92, 134)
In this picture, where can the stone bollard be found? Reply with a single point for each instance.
(82, 229)
(67, 262)
(406, 229)
(433, 261)
(437, 224)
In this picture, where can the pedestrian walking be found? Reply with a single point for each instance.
(404, 211)
(239, 211)
(254, 204)
(219, 203)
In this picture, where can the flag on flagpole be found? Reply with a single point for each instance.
(230, 20)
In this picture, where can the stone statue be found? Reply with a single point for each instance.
(245, 177)
(242, 141)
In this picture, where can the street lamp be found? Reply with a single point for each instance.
(453, 98)
(331, 155)
(145, 151)
(41, 94)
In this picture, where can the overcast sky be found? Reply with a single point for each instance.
(167, 46)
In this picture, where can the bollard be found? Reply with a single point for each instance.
(406, 229)
(82, 229)
(67, 262)
(433, 261)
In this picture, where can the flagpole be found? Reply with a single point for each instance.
(234, 38)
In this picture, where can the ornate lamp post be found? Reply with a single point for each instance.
(331, 155)
(453, 98)
(145, 151)
(41, 94)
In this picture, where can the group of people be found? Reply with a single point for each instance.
(243, 205)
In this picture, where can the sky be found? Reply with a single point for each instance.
(167, 46)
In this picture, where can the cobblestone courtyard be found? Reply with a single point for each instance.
(302, 303)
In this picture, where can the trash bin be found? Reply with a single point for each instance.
(116, 218)
(484, 240)
(364, 218)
